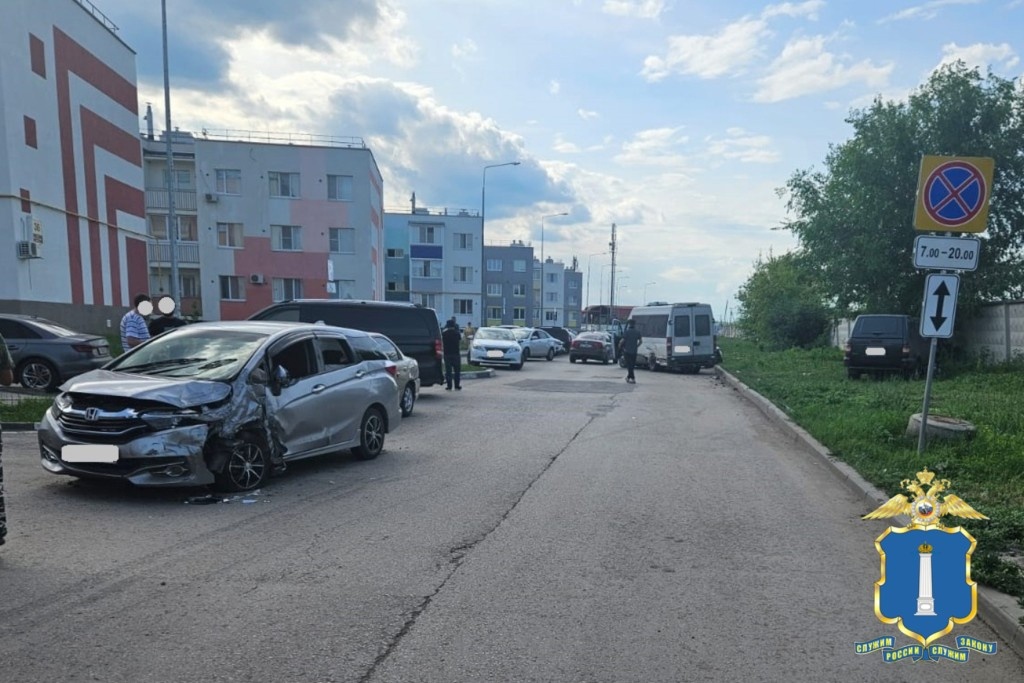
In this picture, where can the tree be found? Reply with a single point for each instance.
(782, 304)
(855, 219)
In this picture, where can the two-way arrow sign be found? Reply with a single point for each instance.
(939, 309)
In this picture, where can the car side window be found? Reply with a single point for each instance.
(297, 359)
(11, 329)
(334, 353)
(389, 349)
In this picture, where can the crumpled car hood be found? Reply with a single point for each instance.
(183, 393)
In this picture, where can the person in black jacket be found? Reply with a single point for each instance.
(166, 321)
(629, 345)
(450, 338)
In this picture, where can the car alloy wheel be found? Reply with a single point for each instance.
(248, 465)
(408, 399)
(38, 374)
(371, 435)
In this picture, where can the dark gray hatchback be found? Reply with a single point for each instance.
(885, 343)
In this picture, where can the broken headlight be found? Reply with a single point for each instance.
(60, 404)
(168, 419)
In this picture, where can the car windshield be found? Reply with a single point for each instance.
(522, 332)
(195, 353)
(494, 333)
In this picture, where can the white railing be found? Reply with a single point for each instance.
(160, 252)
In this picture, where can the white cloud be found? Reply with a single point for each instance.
(554, 87)
(656, 146)
(586, 114)
(712, 56)
(980, 55)
(805, 67)
(739, 145)
(466, 48)
(643, 9)
(807, 9)
(926, 11)
(563, 146)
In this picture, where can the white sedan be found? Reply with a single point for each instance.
(537, 343)
(495, 346)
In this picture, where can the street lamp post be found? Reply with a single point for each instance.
(483, 258)
(543, 320)
(172, 221)
(644, 302)
(588, 274)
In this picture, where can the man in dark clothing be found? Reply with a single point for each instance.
(629, 345)
(166, 321)
(450, 338)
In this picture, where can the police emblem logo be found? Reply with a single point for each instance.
(925, 587)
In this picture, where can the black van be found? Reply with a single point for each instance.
(412, 327)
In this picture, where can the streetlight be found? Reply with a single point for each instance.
(553, 215)
(172, 221)
(644, 302)
(603, 253)
(483, 197)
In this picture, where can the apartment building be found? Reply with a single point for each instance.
(72, 219)
(509, 298)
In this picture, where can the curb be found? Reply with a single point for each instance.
(1000, 611)
(478, 374)
(18, 426)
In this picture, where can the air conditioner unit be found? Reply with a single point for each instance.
(257, 279)
(28, 250)
(212, 198)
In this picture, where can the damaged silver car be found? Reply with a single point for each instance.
(223, 403)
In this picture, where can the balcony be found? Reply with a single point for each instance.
(160, 253)
(184, 200)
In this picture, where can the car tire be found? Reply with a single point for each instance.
(604, 361)
(551, 354)
(39, 374)
(526, 355)
(371, 435)
(408, 399)
(248, 464)
(652, 363)
(522, 362)
(572, 359)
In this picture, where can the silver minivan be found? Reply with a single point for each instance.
(676, 336)
(223, 403)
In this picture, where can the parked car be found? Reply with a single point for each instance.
(223, 403)
(561, 334)
(883, 344)
(592, 346)
(536, 343)
(495, 346)
(412, 327)
(678, 336)
(46, 353)
(408, 376)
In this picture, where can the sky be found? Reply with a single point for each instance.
(677, 121)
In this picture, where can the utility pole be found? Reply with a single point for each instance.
(611, 300)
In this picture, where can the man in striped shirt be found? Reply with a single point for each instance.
(133, 325)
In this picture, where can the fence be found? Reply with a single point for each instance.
(996, 334)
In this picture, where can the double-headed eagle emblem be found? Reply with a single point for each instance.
(925, 508)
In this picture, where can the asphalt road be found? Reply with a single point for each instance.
(553, 524)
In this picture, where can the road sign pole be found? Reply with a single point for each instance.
(927, 396)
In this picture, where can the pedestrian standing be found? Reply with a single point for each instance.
(133, 325)
(629, 345)
(450, 341)
(167, 320)
(6, 379)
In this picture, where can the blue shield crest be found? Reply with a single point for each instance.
(925, 586)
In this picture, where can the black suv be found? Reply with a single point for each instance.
(412, 327)
(882, 344)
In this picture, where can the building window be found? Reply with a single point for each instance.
(493, 289)
(188, 228)
(519, 314)
(519, 289)
(229, 181)
(571, 301)
(232, 288)
(230, 235)
(494, 312)
(463, 306)
(463, 274)
(396, 253)
(343, 240)
(393, 286)
(283, 184)
(286, 238)
(463, 240)
(426, 234)
(551, 297)
(427, 300)
(188, 286)
(494, 265)
(339, 188)
(574, 284)
(342, 289)
(519, 265)
(552, 278)
(425, 268)
(182, 179)
(287, 288)
(551, 316)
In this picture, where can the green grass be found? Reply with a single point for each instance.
(863, 424)
(26, 410)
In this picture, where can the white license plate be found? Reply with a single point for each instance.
(874, 351)
(495, 354)
(89, 453)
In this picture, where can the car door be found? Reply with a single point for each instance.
(298, 409)
(345, 387)
(682, 334)
(703, 333)
(21, 341)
